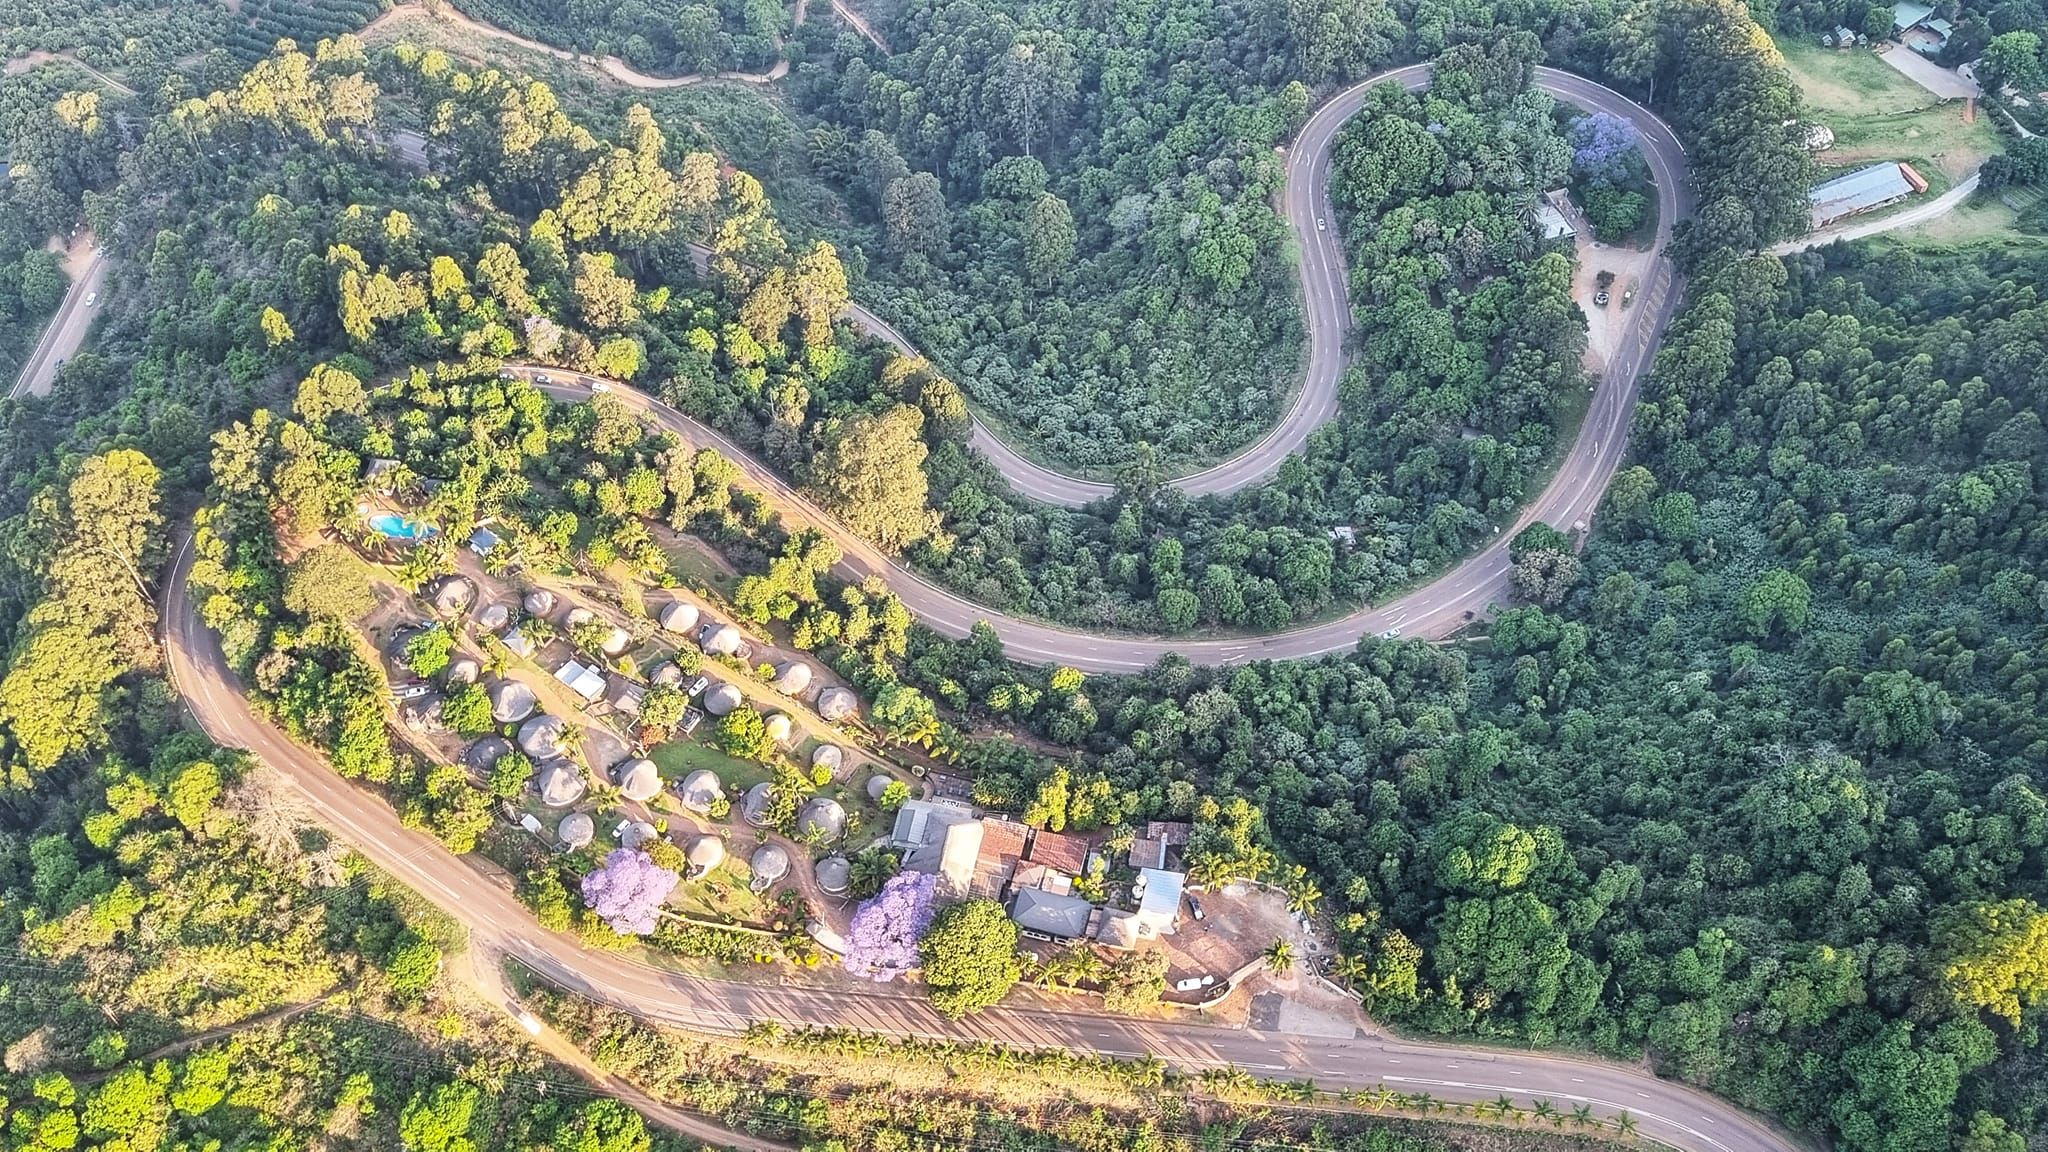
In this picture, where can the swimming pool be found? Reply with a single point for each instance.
(400, 528)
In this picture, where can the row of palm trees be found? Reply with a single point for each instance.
(1380, 1098)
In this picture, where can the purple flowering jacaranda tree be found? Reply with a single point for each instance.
(1603, 146)
(881, 943)
(627, 891)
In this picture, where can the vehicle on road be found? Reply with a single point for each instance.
(598, 386)
(541, 378)
(91, 298)
(527, 1020)
(1600, 299)
(1391, 634)
(1321, 224)
(1195, 907)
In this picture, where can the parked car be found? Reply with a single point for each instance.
(1600, 298)
(1195, 907)
(1193, 983)
(91, 298)
(527, 1020)
(697, 687)
(411, 691)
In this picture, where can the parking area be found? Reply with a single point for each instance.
(1238, 923)
(1945, 83)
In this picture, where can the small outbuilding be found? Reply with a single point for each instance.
(722, 640)
(616, 642)
(577, 616)
(722, 699)
(822, 819)
(453, 595)
(878, 784)
(511, 701)
(541, 736)
(494, 617)
(638, 779)
(483, 541)
(637, 834)
(461, 670)
(538, 602)
(837, 704)
(754, 805)
(704, 854)
(519, 643)
(559, 782)
(483, 755)
(769, 864)
(577, 829)
(624, 695)
(1050, 914)
(585, 680)
(699, 790)
(793, 678)
(679, 617)
(667, 674)
(778, 727)
(830, 757)
(834, 874)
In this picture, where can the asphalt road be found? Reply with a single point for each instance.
(66, 332)
(1432, 612)
(500, 927)
(1325, 289)
(1940, 206)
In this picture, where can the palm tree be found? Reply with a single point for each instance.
(1378, 1097)
(1582, 1115)
(1353, 969)
(1546, 1111)
(1422, 1102)
(1280, 957)
(1625, 1123)
(1303, 896)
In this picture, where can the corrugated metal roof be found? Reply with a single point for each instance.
(1859, 190)
(1904, 16)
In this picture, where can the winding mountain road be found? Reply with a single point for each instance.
(499, 926)
(1327, 308)
(1434, 611)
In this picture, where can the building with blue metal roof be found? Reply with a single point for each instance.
(1863, 190)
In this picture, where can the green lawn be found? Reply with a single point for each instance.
(724, 895)
(1878, 114)
(679, 758)
(1973, 223)
(1852, 82)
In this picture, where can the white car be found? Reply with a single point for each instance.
(91, 298)
(1321, 224)
(599, 386)
(541, 378)
(1391, 634)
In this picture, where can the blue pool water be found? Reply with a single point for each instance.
(400, 528)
